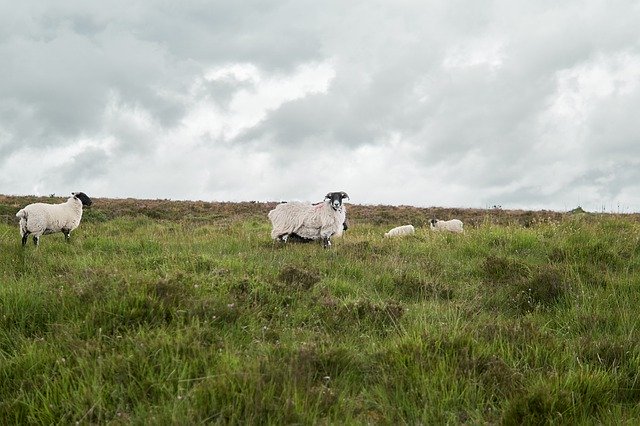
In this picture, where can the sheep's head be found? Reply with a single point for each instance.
(433, 222)
(335, 198)
(86, 201)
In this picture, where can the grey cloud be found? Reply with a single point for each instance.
(614, 130)
(494, 111)
(396, 74)
(66, 84)
(268, 34)
(305, 122)
(90, 164)
(63, 63)
(222, 90)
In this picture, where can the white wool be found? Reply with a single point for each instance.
(399, 231)
(453, 225)
(307, 220)
(41, 218)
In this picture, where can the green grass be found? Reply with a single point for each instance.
(145, 317)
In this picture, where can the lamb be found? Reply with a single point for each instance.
(309, 222)
(453, 225)
(41, 218)
(400, 231)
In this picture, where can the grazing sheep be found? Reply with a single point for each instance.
(400, 231)
(453, 225)
(41, 218)
(302, 221)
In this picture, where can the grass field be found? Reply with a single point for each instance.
(162, 312)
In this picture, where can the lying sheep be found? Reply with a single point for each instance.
(453, 225)
(400, 231)
(309, 222)
(41, 218)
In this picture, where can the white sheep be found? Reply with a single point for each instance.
(453, 225)
(41, 218)
(400, 231)
(302, 221)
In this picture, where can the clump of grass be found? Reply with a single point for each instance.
(206, 265)
(580, 398)
(496, 377)
(546, 289)
(414, 287)
(299, 277)
(520, 335)
(521, 289)
(628, 386)
(406, 368)
(378, 317)
(175, 291)
(538, 406)
(606, 353)
(502, 269)
(593, 322)
(218, 312)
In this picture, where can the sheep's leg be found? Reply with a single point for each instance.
(325, 235)
(25, 236)
(282, 238)
(36, 240)
(67, 234)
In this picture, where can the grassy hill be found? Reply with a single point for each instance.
(182, 312)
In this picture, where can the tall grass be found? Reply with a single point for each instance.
(156, 319)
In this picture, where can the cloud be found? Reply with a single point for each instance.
(417, 102)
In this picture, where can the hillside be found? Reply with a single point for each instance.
(202, 211)
(171, 312)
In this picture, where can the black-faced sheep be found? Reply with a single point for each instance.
(302, 221)
(41, 218)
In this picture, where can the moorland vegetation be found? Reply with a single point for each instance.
(163, 311)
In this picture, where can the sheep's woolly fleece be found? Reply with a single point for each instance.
(306, 220)
(41, 218)
(399, 231)
(453, 225)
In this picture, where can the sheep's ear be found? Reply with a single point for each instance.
(344, 195)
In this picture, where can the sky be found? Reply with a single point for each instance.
(458, 103)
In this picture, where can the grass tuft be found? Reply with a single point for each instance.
(414, 287)
(299, 277)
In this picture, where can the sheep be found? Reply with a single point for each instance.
(295, 238)
(41, 218)
(453, 225)
(400, 231)
(309, 222)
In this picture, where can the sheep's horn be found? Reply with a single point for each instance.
(345, 195)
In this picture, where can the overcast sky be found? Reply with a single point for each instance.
(458, 103)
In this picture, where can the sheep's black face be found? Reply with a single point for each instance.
(335, 198)
(86, 201)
